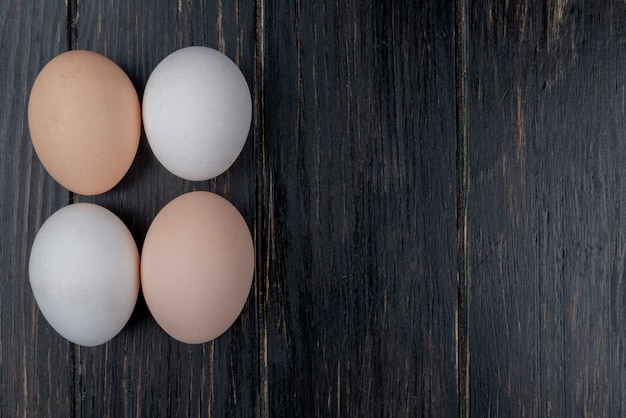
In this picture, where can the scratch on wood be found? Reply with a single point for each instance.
(523, 19)
(270, 252)
(318, 128)
(339, 388)
(521, 136)
(139, 388)
(190, 382)
(239, 48)
(25, 375)
(125, 385)
(300, 105)
(220, 28)
(555, 20)
(211, 380)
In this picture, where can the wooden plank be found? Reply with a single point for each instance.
(36, 371)
(357, 213)
(546, 86)
(143, 372)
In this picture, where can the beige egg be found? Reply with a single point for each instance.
(85, 121)
(197, 265)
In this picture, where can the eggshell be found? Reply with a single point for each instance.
(85, 121)
(197, 265)
(84, 273)
(197, 112)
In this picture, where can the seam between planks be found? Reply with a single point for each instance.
(71, 20)
(261, 273)
(71, 14)
(462, 178)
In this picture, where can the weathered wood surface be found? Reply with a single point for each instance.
(144, 372)
(347, 182)
(434, 190)
(36, 367)
(357, 197)
(546, 141)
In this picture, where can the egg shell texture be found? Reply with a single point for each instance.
(84, 119)
(197, 112)
(84, 273)
(197, 265)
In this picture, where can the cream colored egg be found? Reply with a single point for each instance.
(197, 265)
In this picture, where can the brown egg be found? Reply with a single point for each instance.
(197, 265)
(85, 121)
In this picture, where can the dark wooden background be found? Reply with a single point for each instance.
(435, 192)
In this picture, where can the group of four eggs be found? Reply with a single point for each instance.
(197, 260)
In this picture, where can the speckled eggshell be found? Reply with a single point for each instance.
(197, 265)
(197, 111)
(84, 119)
(84, 273)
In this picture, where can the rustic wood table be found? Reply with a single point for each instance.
(435, 193)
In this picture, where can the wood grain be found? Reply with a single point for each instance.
(144, 372)
(357, 219)
(36, 373)
(434, 189)
(546, 223)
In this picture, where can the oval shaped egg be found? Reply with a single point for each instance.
(84, 273)
(197, 111)
(84, 118)
(197, 265)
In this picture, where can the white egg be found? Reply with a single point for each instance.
(197, 112)
(84, 273)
